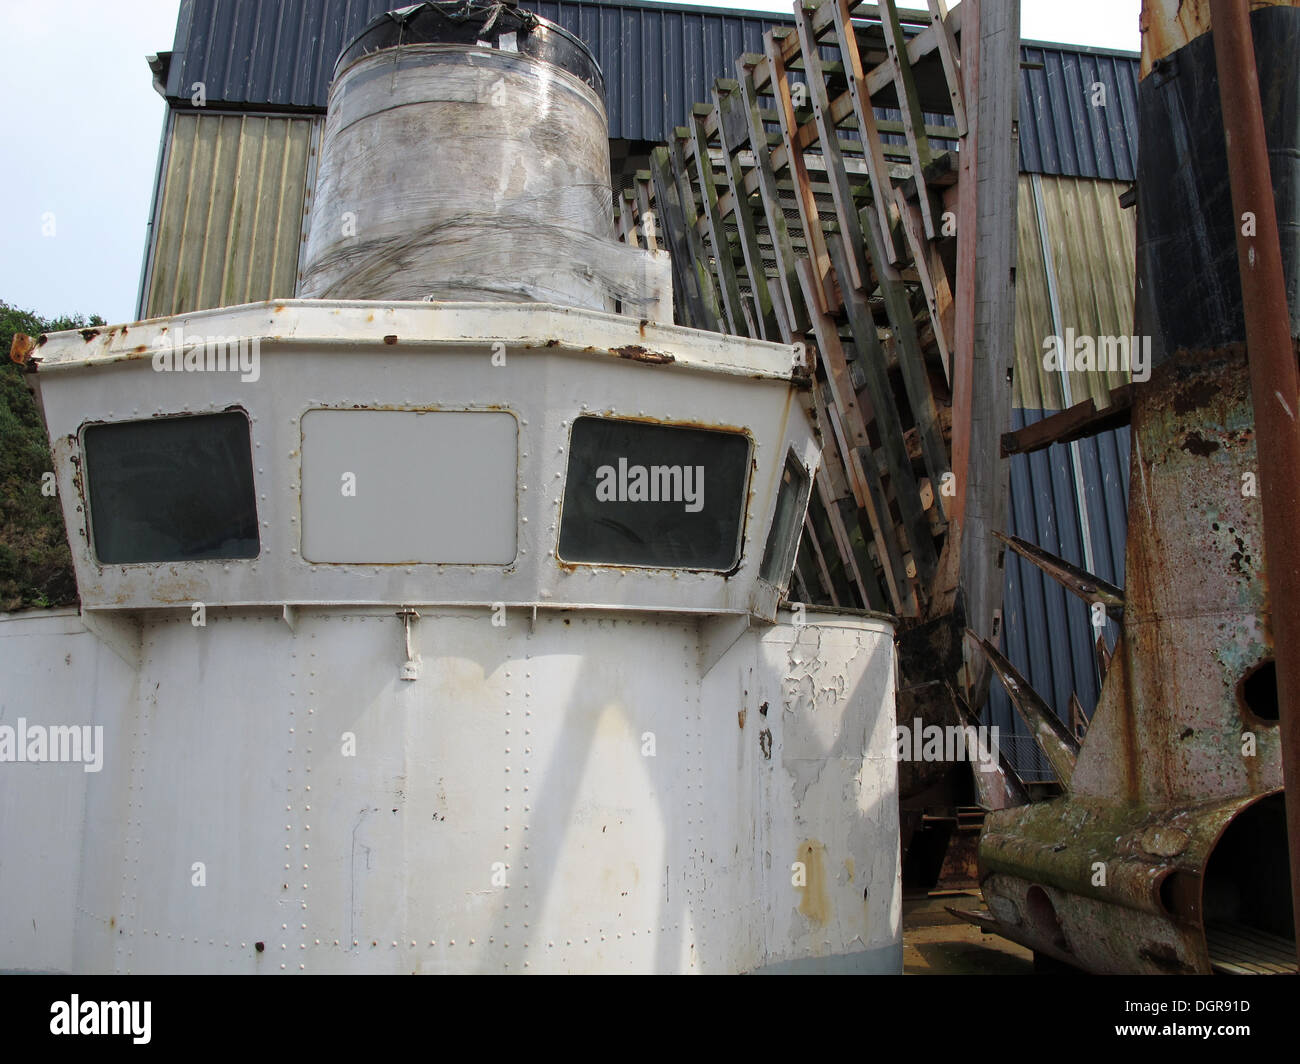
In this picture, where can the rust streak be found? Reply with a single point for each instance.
(637, 353)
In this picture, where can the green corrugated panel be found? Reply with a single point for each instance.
(1089, 241)
(230, 218)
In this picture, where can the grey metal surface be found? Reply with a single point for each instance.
(658, 60)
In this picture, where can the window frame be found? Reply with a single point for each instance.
(738, 557)
(86, 492)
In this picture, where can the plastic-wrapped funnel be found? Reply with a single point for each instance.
(466, 157)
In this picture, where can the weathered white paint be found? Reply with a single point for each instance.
(520, 744)
(636, 771)
(560, 363)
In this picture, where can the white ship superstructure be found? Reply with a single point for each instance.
(441, 635)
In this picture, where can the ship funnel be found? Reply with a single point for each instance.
(465, 157)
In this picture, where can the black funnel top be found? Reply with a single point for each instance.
(473, 22)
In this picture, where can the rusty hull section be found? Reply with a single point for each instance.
(1169, 725)
(1105, 886)
(1168, 854)
(1109, 878)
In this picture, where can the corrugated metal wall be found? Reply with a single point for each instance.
(1075, 270)
(229, 212)
(658, 60)
(1066, 125)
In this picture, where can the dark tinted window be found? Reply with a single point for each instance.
(653, 495)
(171, 489)
(791, 501)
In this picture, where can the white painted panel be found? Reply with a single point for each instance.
(576, 793)
(428, 486)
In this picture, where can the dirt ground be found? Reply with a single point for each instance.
(937, 943)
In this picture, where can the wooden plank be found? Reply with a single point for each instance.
(627, 220)
(918, 47)
(819, 556)
(649, 225)
(769, 326)
(946, 44)
(699, 256)
(889, 428)
(845, 210)
(723, 263)
(807, 203)
(869, 592)
(860, 103)
(918, 143)
(796, 315)
(676, 229)
(1078, 422)
(929, 266)
(911, 362)
(849, 429)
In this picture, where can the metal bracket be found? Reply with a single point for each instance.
(411, 666)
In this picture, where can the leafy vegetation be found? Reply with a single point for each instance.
(35, 563)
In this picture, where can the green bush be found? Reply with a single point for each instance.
(35, 563)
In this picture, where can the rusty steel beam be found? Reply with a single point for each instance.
(1275, 389)
(1092, 589)
(1054, 739)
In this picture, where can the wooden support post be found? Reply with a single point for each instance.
(907, 493)
(724, 264)
(918, 144)
(985, 347)
(836, 174)
(686, 284)
(946, 43)
(932, 274)
(796, 316)
(807, 202)
(874, 156)
(699, 258)
(850, 432)
(911, 361)
(823, 572)
(627, 220)
(645, 207)
(732, 136)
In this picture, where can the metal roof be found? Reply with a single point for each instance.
(658, 60)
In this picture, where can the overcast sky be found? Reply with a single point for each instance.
(83, 123)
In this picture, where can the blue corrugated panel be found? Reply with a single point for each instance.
(1078, 112)
(658, 60)
(1046, 630)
